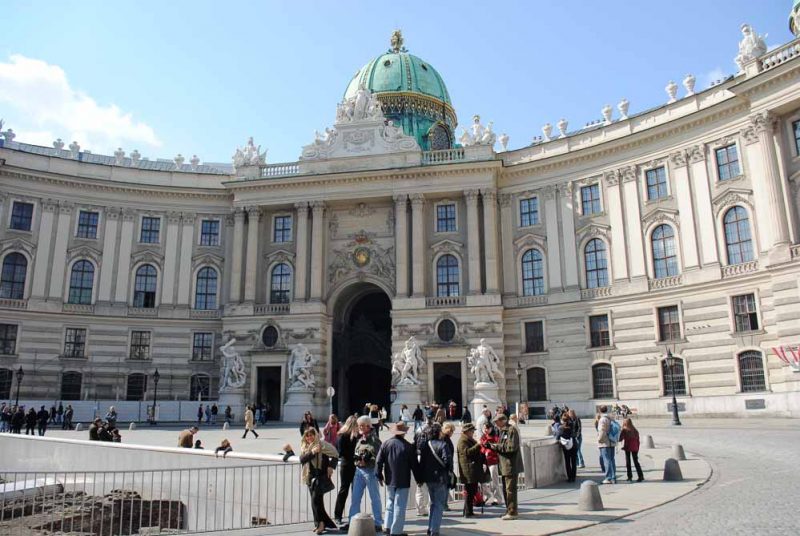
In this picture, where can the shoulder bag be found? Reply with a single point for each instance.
(451, 476)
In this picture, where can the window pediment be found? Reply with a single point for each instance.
(447, 246)
(147, 256)
(660, 215)
(208, 259)
(530, 240)
(594, 230)
(279, 255)
(85, 252)
(732, 196)
(18, 244)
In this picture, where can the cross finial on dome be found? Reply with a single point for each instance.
(397, 42)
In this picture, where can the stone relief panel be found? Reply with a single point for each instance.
(344, 224)
(360, 256)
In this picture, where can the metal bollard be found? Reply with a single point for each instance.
(589, 499)
(677, 452)
(648, 442)
(362, 524)
(672, 470)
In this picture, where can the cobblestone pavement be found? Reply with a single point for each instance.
(753, 490)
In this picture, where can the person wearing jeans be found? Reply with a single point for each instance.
(606, 446)
(436, 464)
(366, 450)
(396, 461)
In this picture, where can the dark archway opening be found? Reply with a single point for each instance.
(447, 385)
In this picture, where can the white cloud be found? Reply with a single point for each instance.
(712, 76)
(43, 106)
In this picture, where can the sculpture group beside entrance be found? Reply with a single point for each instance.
(484, 363)
(233, 374)
(406, 364)
(301, 368)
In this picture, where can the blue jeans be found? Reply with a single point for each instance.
(580, 454)
(396, 501)
(365, 479)
(438, 494)
(607, 457)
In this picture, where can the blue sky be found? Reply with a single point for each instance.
(199, 77)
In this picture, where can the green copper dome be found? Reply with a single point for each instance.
(412, 93)
(792, 20)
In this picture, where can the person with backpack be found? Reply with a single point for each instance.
(569, 445)
(630, 437)
(608, 432)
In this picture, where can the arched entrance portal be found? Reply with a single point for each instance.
(362, 348)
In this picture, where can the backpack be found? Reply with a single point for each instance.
(614, 429)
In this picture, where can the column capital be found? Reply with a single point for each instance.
(400, 199)
(628, 174)
(471, 195)
(49, 205)
(238, 214)
(763, 122)
(678, 159)
(65, 207)
(112, 213)
(611, 178)
(504, 200)
(489, 193)
(254, 212)
(188, 217)
(417, 200)
(549, 192)
(317, 206)
(128, 214)
(696, 153)
(301, 207)
(173, 217)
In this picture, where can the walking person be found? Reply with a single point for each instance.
(569, 446)
(199, 414)
(630, 436)
(466, 417)
(17, 420)
(577, 433)
(5, 418)
(420, 442)
(208, 414)
(214, 411)
(508, 449)
(249, 422)
(346, 445)
(68, 413)
(60, 413)
(318, 458)
(42, 418)
(396, 462)
(30, 422)
(52, 416)
(366, 450)
(308, 422)
(492, 492)
(608, 431)
(419, 418)
(470, 466)
(436, 465)
(228, 414)
(185, 438)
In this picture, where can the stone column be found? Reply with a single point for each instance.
(125, 246)
(63, 229)
(633, 222)
(771, 190)
(418, 244)
(42, 260)
(507, 244)
(618, 251)
(706, 226)
(170, 258)
(185, 267)
(251, 268)
(317, 249)
(301, 260)
(236, 261)
(473, 242)
(553, 238)
(109, 254)
(683, 193)
(568, 232)
(401, 245)
(490, 239)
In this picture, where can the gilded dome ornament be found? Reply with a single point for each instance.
(396, 41)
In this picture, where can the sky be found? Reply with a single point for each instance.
(199, 77)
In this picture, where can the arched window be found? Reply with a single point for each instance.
(280, 283)
(665, 260)
(6, 377)
(439, 138)
(602, 381)
(71, 385)
(205, 292)
(137, 385)
(532, 273)
(596, 264)
(537, 384)
(81, 281)
(12, 282)
(751, 372)
(737, 236)
(144, 291)
(200, 387)
(678, 378)
(447, 276)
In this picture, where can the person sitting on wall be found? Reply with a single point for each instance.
(224, 448)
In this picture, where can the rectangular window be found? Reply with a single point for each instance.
(150, 230)
(87, 224)
(796, 130)
(446, 218)
(140, 345)
(590, 199)
(202, 349)
(528, 211)
(669, 324)
(21, 216)
(282, 229)
(8, 339)
(744, 313)
(209, 233)
(728, 163)
(534, 336)
(75, 343)
(656, 183)
(599, 334)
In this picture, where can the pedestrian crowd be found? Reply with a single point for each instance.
(14, 418)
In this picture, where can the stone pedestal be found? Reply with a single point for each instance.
(235, 399)
(486, 394)
(410, 395)
(298, 401)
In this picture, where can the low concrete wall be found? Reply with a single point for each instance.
(544, 462)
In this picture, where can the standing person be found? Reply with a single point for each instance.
(577, 432)
(249, 422)
(5, 418)
(470, 466)
(569, 445)
(60, 413)
(111, 417)
(228, 414)
(318, 459)
(508, 448)
(94, 430)
(186, 438)
(485, 416)
(491, 489)
(208, 414)
(308, 422)
(405, 414)
(466, 416)
(607, 436)
(346, 444)
(451, 410)
(394, 465)
(52, 416)
(68, 413)
(630, 436)
(420, 441)
(200, 414)
(42, 417)
(331, 430)
(375, 419)
(366, 449)
(30, 422)
(214, 411)
(17, 420)
(436, 464)
(419, 418)
(441, 415)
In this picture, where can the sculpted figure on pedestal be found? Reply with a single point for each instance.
(484, 363)
(406, 364)
(301, 372)
(751, 46)
(233, 375)
(249, 155)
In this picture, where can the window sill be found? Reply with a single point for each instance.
(593, 214)
(601, 348)
(658, 200)
(446, 232)
(737, 178)
(749, 333)
(139, 359)
(9, 356)
(531, 226)
(287, 242)
(545, 352)
(671, 341)
(21, 231)
(73, 357)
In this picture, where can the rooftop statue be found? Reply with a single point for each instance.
(249, 155)
(396, 41)
(751, 47)
(478, 134)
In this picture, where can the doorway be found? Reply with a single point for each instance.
(447, 385)
(268, 391)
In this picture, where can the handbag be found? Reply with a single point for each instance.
(451, 476)
(566, 443)
(320, 482)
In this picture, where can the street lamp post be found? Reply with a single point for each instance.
(671, 364)
(519, 385)
(20, 375)
(156, 376)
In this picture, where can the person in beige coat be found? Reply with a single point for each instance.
(249, 422)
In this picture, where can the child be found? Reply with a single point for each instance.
(630, 435)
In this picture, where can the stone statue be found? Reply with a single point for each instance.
(607, 112)
(391, 132)
(361, 103)
(374, 110)
(477, 128)
(503, 139)
(488, 137)
(623, 107)
(562, 128)
(688, 83)
(407, 363)
(119, 156)
(249, 155)
(396, 41)
(484, 363)
(751, 47)
(58, 145)
(465, 139)
(301, 368)
(547, 130)
(233, 375)
(9, 135)
(672, 91)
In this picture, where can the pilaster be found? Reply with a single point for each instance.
(60, 251)
(301, 259)
(251, 269)
(679, 168)
(473, 242)
(185, 268)
(317, 249)
(553, 239)
(43, 244)
(418, 244)
(618, 249)
(170, 258)
(236, 261)
(401, 244)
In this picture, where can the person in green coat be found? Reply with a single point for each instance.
(511, 466)
(470, 466)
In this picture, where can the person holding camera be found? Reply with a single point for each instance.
(364, 454)
(318, 459)
(509, 451)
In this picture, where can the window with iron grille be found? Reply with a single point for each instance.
(537, 384)
(140, 345)
(590, 199)
(21, 216)
(75, 343)
(200, 387)
(656, 183)
(447, 276)
(446, 218)
(602, 381)
(532, 273)
(71, 385)
(87, 224)
(81, 282)
(678, 378)
(728, 162)
(8, 339)
(202, 346)
(6, 380)
(137, 386)
(446, 330)
(282, 229)
(596, 264)
(665, 257)
(209, 233)
(599, 334)
(529, 211)
(145, 285)
(751, 372)
(150, 230)
(205, 292)
(738, 243)
(744, 313)
(534, 336)
(280, 284)
(669, 324)
(12, 281)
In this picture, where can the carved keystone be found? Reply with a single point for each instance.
(672, 470)
(589, 499)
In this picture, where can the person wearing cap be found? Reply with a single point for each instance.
(508, 447)
(394, 465)
(470, 466)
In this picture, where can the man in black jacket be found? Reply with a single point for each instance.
(396, 461)
(42, 417)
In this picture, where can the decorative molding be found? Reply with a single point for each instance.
(49, 205)
(147, 256)
(628, 174)
(84, 252)
(659, 216)
(362, 210)
(447, 246)
(696, 153)
(471, 195)
(301, 207)
(530, 240)
(594, 230)
(504, 200)
(18, 244)
(360, 257)
(318, 207)
(678, 159)
(173, 217)
(417, 200)
(279, 255)
(611, 178)
(210, 259)
(750, 135)
(188, 218)
(254, 213)
(731, 197)
(763, 122)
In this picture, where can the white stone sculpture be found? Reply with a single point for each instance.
(607, 112)
(547, 129)
(688, 84)
(194, 162)
(484, 363)
(74, 149)
(179, 159)
(119, 156)
(301, 368)
(623, 109)
(233, 375)
(58, 145)
(562, 128)
(751, 47)
(135, 157)
(392, 133)
(503, 139)
(477, 129)
(249, 155)
(407, 363)
(478, 134)
(672, 91)
(9, 135)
